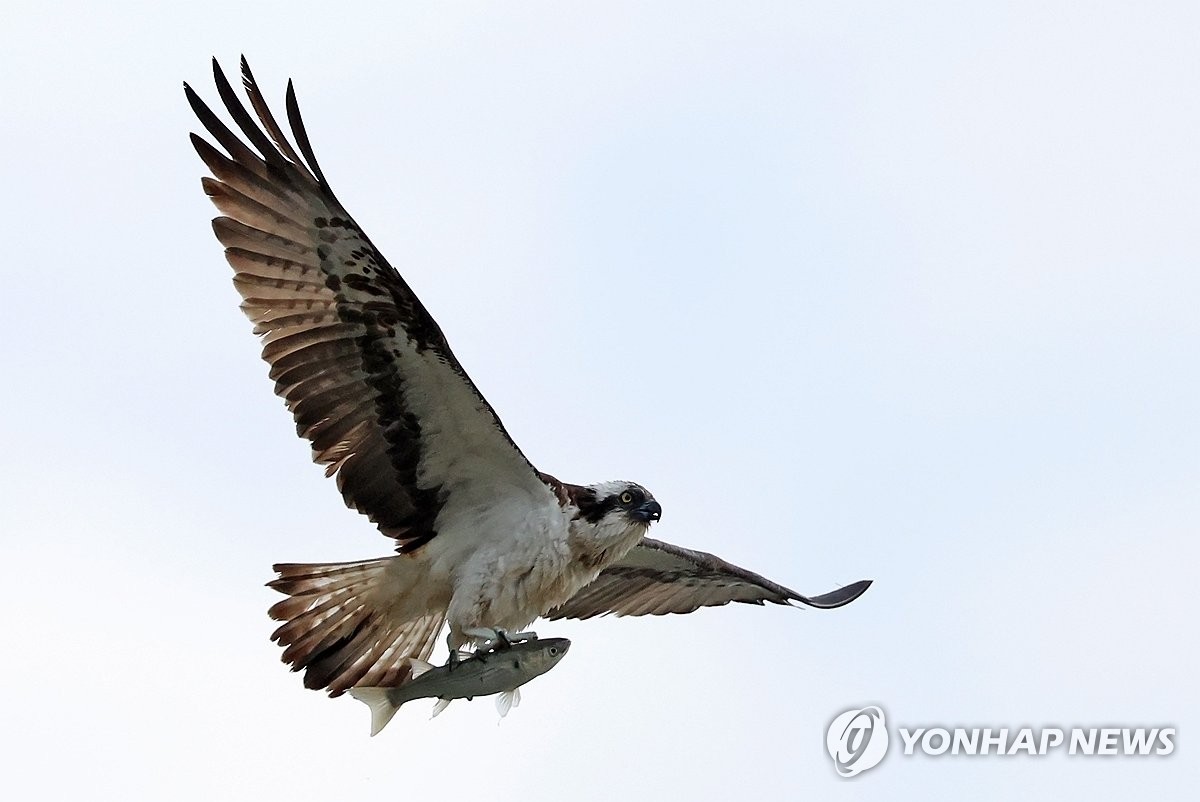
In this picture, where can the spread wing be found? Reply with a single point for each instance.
(656, 578)
(363, 367)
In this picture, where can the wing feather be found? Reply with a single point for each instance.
(264, 113)
(254, 212)
(363, 367)
(281, 198)
(657, 578)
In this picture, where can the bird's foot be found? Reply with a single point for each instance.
(456, 656)
(485, 637)
(495, 640)
(522, 637)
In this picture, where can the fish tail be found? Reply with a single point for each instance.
(344, 624)
(383, 703)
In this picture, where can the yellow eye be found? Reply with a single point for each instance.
(627, 497)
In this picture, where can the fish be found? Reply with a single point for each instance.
(502, 670)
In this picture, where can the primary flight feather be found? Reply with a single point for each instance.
(485, 542)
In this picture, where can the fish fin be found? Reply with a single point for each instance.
(439, 706)
(507, 701)
(418, 667)
(382, 708)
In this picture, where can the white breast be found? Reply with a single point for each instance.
(499, 558)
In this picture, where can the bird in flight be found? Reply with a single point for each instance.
(485, 541)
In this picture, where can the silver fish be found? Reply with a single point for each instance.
(501, 671)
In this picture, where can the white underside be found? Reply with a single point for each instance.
(505, 550)
(495, 566)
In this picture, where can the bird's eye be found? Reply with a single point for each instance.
(627, 497)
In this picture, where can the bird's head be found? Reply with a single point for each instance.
(623, 503)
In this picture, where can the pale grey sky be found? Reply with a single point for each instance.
(905, 291)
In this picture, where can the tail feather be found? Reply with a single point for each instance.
(295, 605)
(338, 627)
(406, 656)
(324, 631)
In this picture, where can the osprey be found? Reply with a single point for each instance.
(485, 541)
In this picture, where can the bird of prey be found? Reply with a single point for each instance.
(485, 541)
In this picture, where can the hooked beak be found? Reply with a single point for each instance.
(650, 511)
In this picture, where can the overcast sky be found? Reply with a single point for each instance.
(905, 291)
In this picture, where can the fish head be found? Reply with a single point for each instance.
(542, 654)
